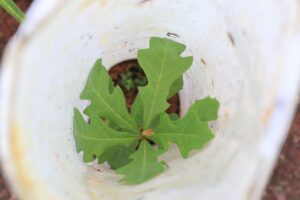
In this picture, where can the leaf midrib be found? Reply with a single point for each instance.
(110, 108)
(99, 139)
(157, 86)
(175, 134)
(106, 139)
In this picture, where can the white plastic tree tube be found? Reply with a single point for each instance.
(245, 55)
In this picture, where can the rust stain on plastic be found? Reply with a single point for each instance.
(267, 114)
(83, 6)
(29, 187)
(22, 172)
(86, 4)
(92, 181)
(104, 2)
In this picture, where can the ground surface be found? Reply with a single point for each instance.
(285, 181)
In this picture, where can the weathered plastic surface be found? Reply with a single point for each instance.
(245, 54)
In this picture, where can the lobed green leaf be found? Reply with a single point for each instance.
(144, 165)
(107, 101)
(188, 133)
(117, 156)
(162, 65)
(94, 138)
(206, 109)
(137, 110)
(176, 86)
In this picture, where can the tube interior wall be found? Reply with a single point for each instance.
(240, 52)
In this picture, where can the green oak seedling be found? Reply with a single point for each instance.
(131, 142)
